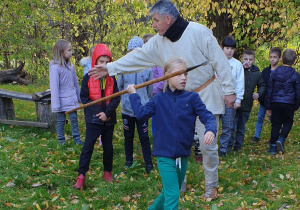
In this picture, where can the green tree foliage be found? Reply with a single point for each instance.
(29, 28)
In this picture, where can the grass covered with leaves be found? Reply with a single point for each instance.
(36, 173)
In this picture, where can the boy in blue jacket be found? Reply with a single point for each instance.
(176, 111)
(282, 100)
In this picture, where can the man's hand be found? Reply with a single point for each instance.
(255, 96)
(269, 112)
(99, 71)
(229, 100)
(236, 105)
(131, 89)
(102, 116)
(209, 137)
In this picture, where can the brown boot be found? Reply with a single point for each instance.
(211, 193)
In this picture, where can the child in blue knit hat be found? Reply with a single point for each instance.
(128, 116)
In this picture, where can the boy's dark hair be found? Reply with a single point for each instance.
(248, 52)
(229, 41)
(276, 50)
(289, 57)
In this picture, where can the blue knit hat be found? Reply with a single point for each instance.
(134, 43)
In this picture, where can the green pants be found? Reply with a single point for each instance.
(172, 178)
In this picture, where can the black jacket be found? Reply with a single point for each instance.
(253, 79)
(266, 76)
(91, 111)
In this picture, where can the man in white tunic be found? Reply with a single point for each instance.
(195, 44)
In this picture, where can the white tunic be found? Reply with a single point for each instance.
(196, 45)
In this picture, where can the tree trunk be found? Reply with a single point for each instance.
(14, 75)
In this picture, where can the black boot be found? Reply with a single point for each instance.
(280, 144)
(272, 149)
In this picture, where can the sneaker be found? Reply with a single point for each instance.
(272, 149)
(78, 142)
(280, 146)
(210, 193)
(108, 177)
(237, 148)
(149, 168)
(255, 139)
(183, 185)
(128, 164)
(80, 182)
(222, 154)
(199, 158)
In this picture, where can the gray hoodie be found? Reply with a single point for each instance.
(145, 93)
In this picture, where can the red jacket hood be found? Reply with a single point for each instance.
(100, 50)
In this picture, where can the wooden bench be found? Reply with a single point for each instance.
(42, 100)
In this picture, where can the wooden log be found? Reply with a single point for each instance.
(13, 75)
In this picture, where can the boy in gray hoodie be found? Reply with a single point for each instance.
(128, 116)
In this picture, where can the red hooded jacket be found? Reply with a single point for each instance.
(95, 85)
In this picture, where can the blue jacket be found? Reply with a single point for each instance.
(283, 87)
(175, 116)
(137, 78)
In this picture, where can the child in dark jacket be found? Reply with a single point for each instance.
(176, 111)
(253, 80)
(282, 100)
(100, 118)
(274, 57)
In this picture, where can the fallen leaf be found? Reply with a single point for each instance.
(10, 184)
(55, 198)
(38, 206)
(281, 176)
(36, 184)
(187, 197)
(8, 204)
(126, 199)
(219, 204)
(74, 201)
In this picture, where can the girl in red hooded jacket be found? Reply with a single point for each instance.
(100, 118)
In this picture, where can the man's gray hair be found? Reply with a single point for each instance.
(163, 8)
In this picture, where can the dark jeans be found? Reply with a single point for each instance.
(240, 121)
(282, 120)
(142, 129)
(93, 131)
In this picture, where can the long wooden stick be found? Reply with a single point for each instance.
(165, 77)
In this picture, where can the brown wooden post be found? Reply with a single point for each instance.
(44, 113)
(7, 110)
